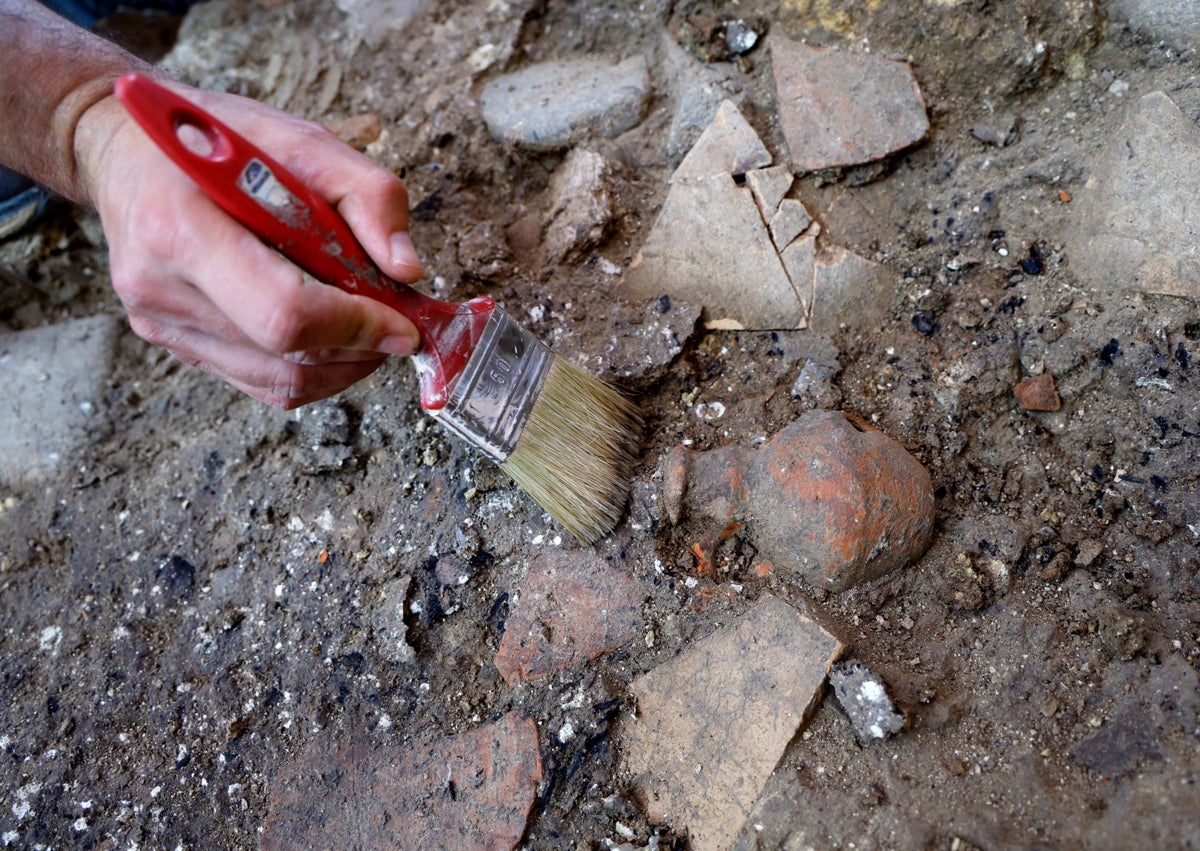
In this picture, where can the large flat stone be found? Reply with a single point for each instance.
(713, 722)
(53, 379)
(1136, 225)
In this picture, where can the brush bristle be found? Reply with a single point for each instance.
(576, 454)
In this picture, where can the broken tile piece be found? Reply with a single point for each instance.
(473, 790)
(865, 700)
(709, 246)
(552, 105)
(829, 498)
(712, 246)
(847, 290)
(729, 146)
(789, 221)
(713, 722)
(838, 108)
(769, 186)
(572, 607)
(1038, 393)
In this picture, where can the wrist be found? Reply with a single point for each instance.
(95, 134)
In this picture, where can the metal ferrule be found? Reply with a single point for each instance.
(495, 393)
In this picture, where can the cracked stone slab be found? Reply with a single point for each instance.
(728, 147)
(713, 722)
(53, 380)
(553, 105)
(473, 790)
(838, 108)
(1135, 222)
(745, 251)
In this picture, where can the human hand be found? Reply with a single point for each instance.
(196, 282)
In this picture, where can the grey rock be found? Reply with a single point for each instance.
(325, 436)
(864, 698)
(1124, 743)
(388, 621)
(648, 345)
(1136, 221)
(1176, 22)
(698, 90)
(581, 209)
(553, 105)
(814, 385)
(53, 379)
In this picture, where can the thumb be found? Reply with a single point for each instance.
(375, 206)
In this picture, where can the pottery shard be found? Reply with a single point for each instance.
(829, 498)
(713, 722)
(469, 791)
(1038, 393)
(841, 109)
(573, 606)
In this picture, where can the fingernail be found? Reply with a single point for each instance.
(399, 344)
(404, 253)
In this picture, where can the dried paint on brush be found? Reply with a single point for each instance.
(577, 452)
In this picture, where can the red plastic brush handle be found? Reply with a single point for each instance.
(272, 203)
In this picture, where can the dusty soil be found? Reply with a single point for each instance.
(195, 596)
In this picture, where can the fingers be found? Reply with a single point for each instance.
(372, 200)
(266, 298)
(270, 379)
(196, 282)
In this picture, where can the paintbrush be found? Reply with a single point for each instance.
(567, 438)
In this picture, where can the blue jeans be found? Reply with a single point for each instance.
(87, 13)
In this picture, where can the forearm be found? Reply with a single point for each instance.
(51, 74)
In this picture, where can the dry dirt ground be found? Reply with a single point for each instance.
(194, 596)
